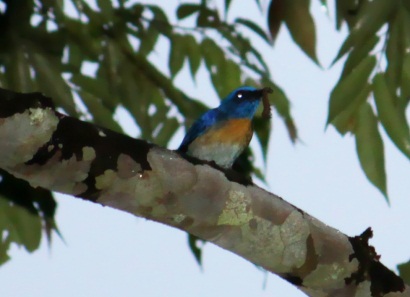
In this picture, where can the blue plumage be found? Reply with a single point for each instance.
(199, 127)
(222, 133)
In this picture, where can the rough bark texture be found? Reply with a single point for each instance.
(63, 154)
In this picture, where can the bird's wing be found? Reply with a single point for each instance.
(199, 127)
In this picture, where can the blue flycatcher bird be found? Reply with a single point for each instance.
(222, 134)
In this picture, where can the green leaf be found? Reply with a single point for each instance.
(109, 75)
(133, 16)
(239, 45)
(345, 92)
(164, 127)
(80, 35)
(254, 27)
(105, 7)
(258, 2)
(2, 81)
(208, 17)
(393, 122)
(168, 130)
(97, 87)
(276, 15)
(405, 76)
(56, 41)
(148, 39)
(371, 17)
(193, 53)
(39, 202)
(138, 93)
(251, 82)
(101, 115)
(50, 81)
(212, 53)
(4, 247)
(186, 10)
(346, 120)
(227, 4)
(301, 26)
(196, 251)
(226, 77)
(225, 74)
(369, 146)
(259, 175)
(345, 11)
(17, 71)
(292, 130)
(405, 86)
(281, 103)
(243, 49)
(358, 53)
(188, 106)
(405, 16)
(177, 54)
(262, 127)
(135, 94)
(161, 20)
(19, 225)
(95, 19)
(265, 71)
(404, 271)
(395, 51)
(75, 58)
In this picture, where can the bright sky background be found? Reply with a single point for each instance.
(110, 253)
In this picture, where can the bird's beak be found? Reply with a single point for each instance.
(259, 94)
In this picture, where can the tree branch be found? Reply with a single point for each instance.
(63, 154)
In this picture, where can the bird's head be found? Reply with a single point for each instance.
(242, 102)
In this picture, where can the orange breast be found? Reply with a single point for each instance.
(236, 131)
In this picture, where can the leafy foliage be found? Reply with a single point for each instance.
(404, 270)
(376, 70)
(24, 211)
(299, 21)
(193, 243)
(18, 226)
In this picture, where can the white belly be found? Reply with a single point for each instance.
(222, 154)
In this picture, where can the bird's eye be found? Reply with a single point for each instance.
(239, 95)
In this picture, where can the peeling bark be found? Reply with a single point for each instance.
(63, 154)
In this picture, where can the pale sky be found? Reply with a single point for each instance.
(111, 253)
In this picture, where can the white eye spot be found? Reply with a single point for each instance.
(239, 95)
